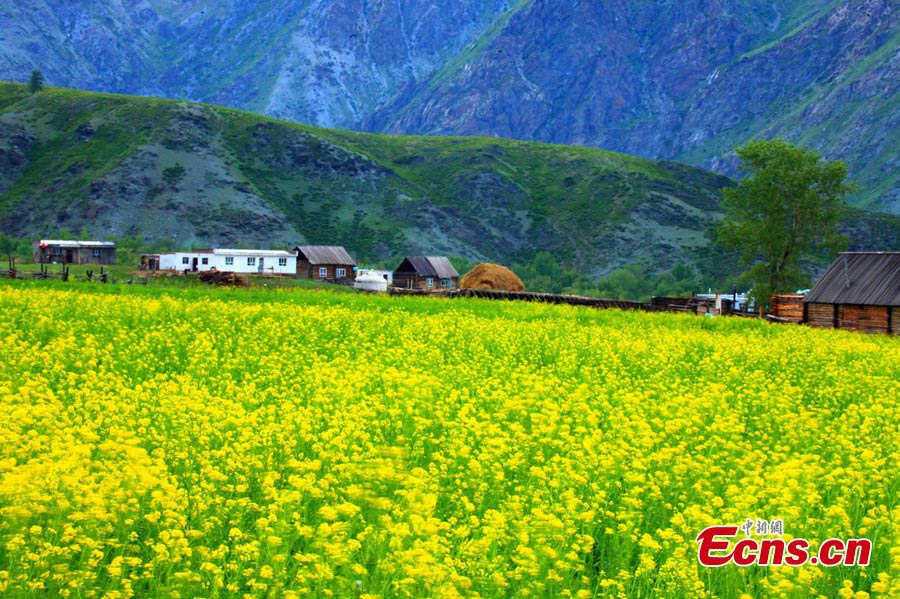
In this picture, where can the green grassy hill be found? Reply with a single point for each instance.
(194, 174)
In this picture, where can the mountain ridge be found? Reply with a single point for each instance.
(687, 81)
(197, 174)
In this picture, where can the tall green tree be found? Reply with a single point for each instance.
(786, 210)
(8, 247)
(36, 83)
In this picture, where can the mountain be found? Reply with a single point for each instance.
(330, 63)
(202, 175)
(688, 81)
(684, 81)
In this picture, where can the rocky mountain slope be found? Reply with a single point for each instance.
(666, 80)
(688, 82)
(202, 175)
(328, 63)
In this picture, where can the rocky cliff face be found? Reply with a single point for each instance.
(688, 81)
(685, 80)
(327, 62)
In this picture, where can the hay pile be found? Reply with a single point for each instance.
(491, 276)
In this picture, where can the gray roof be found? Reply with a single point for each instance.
(428, 266)
(863, 278)
(264, 253)
(70, 243)
(324, 254)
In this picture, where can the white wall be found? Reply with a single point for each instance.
(270, 264)
(239, 263)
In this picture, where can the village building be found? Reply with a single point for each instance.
(426, 272)
(277, 262)
(63, 251)
(859, 292)
(324, 263)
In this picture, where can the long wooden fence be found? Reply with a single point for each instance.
(547, 298)
(693, 305)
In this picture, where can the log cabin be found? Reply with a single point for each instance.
(325, 263)
(860, 291)
(430, 273)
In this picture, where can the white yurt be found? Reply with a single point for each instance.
(368, 281)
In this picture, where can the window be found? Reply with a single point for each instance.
(429, 282)
(251, 261)
(204, 260)
(340, 272)
(282, 262)
(96, 253)
(448, 283)
(57, 251)
(229, 260)
(323, 272)
(185, 260)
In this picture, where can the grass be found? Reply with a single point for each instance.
(382, 196)
(586, 190)
(118, 274)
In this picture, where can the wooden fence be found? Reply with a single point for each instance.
(548, 298)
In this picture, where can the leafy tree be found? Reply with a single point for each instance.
(785, 211)
(8, 247)
(36, 83)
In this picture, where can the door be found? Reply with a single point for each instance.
(70, 256)
(261, 260)
(194, 265)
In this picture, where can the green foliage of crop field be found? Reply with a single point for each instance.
(296, 443)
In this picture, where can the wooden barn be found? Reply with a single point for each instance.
(859, 292)
(66, 251)
(324, 262)
(426, 272)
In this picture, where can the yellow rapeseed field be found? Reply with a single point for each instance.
(212, 443)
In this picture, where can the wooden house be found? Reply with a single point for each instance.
(426, 272)
(324, 263)
(65, 251)
(859, 292)
(788, 307)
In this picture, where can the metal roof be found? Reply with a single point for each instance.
(324, 254)
(272, 253)
(862, 278)
(428, 266)
(70, 243)
(443, 267)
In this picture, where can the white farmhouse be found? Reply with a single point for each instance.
(225, 260)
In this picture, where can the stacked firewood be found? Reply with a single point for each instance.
(216, 277)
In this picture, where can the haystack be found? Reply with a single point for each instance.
(491, 276)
